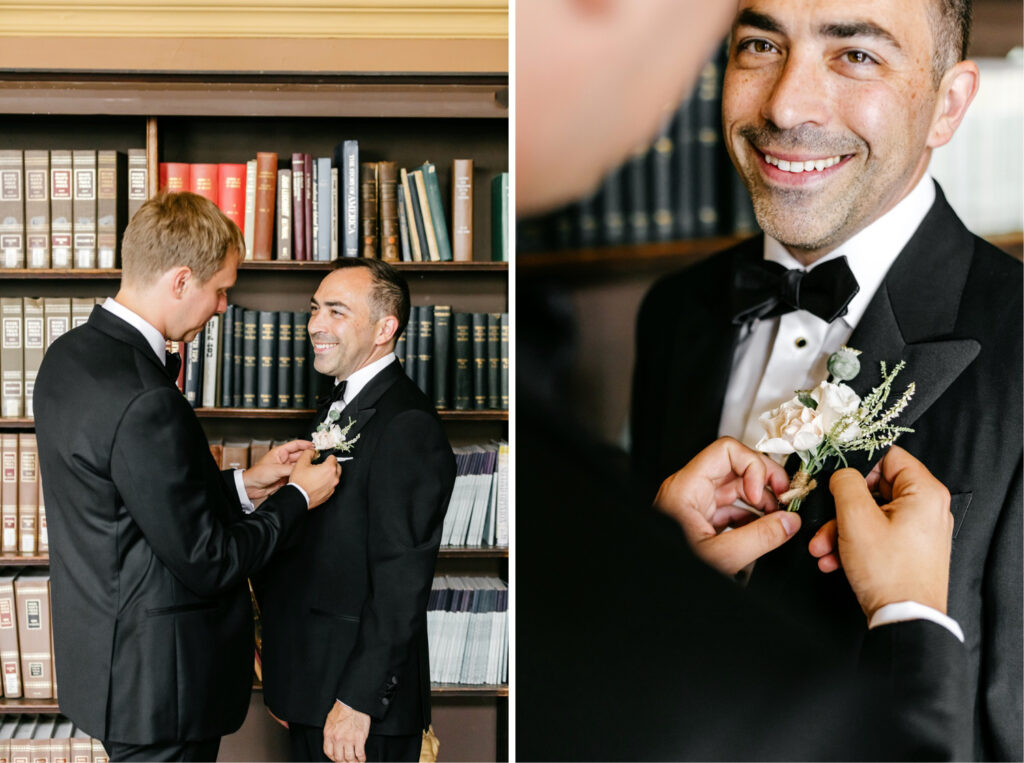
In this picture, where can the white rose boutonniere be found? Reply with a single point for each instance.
(831, 420)
(330, 436)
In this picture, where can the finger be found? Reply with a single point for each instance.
(305, 458)
(906, 474)
(350, 753)
(360, 752)
(874, 477)
(731, 516)
(825, 541)
(855, 507)
(829, 563)
(732, 551)
(329, 748)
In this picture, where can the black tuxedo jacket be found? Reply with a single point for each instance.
(149, 549)
(344, 607)
(951, 307)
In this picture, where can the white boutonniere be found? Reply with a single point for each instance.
(830, 421)
(329, 436)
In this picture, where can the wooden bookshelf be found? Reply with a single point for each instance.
(18, 560)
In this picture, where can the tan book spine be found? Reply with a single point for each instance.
(5, 750)
(266, 188)
(99, 755)
(428, 221)
(81, 309)
(368, 223)
(28, 493)
(414, 240)
(39, 751)
(12, 356)
(138, 180)
(236, 455)
(35, 346)
(57, 314)
(21, 750)
(462, 210)
(32, 594)
(9, 493)
(387, 174)
(12, 209)
(61, 209)
(60, 750)
(9, 652)
(37, 209)
(111, 169)
(84, 207)
(81, 750)
(258, 449)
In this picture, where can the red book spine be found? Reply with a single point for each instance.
(175, 176)
(231, 192)
(299, 206)
(308, 172)
(204, 181)
(266, 191)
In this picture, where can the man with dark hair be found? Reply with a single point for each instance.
(345, 660)
(149, 543)
(831, 112)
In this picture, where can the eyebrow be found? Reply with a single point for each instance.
(328, 303)
(838, 29)
(758, 20)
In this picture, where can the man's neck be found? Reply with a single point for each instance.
(144, 305)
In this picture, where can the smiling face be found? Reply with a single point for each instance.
(346, 334)
(829, 111)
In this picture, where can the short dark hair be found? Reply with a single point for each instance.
(390, 295)
(951, 29)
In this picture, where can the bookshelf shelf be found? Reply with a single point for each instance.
(483, 552)
(437, 691)
(295, 414)
(13, 706)
(24, 561)
(107, 274)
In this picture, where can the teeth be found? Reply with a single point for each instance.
(806, 166)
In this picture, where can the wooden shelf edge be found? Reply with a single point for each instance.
(24, 561)
(283, 414)
(12, 706)
(436, 691)
(475, 552)
(57, 274)
(113, 274)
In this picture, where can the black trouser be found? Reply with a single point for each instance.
(205, 750)
(307, 744)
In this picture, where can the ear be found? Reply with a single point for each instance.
(180, 278)
(957, 90)
(387, 327)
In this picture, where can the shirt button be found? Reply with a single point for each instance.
(800, 343)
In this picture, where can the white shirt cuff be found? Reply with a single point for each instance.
(243, 498)
(901, 611)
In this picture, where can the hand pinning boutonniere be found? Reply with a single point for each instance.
(832, 420)
(329, 436)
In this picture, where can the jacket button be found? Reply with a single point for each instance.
(385, 701)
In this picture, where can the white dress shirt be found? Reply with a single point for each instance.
(359, 379)
(156, 341)
(780, 355)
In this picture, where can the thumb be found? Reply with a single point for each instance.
(731, 551)
(855, 508)
(305, 458)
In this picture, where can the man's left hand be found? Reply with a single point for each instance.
(345, 734)
(272, 471)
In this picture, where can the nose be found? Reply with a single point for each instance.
(314, 323)
(798, 95)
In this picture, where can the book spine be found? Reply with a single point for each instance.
(494, 361)
(437, 216)
(661, 158)
(12, 209)
(307, 163)
(194, 371)
(28, 493)
(442, 355)
(9, 651)
(499, 218)
(284, 214)
(12, 356)
(231, 192)
(709, 108)
(350, 197)
(284, 360)
(316, 213)
(387, 173)
(479, 350)
(9, 494)
(61, 209)
(204, 180)
(263, 227)
(81, 309)
(300, 372)
(403, 227)
(227, 357)
(636, 195)
(425, 351)
(266, 348)
(400, 347)
(111, 205)
(368, 209)
(211, 356)
(412, 343)
(323, 213)
(417, 236)
(250, 327)
(685, 170)
(504, 380)
(425, 213)
(57, 318)
(462, 354)
(33, 598)
(138, 180)
(84, 205)
(250, 207)
(299, 206)
(334, 213)
(237, 353)
(613, 219)
(462, 210)
(35, 346)
(175, 177)
(586, 217)
(37, 209)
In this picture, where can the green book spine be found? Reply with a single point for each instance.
(504, 361)
(479, 350)
(194, 370)
(401, 343)
(227, 357)
(462, 361)
(442, 361)
(412, 344)
(444, 246)
(494, 361)
(499, 218)
(237, 330)
(425, 351)
(250, 325)
(284, 360)
(266, 347)
(300, 383)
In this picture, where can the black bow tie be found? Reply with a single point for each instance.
(172, 362)
(766, 289)
(337, 393)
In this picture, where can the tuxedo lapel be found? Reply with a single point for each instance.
(360, 408)
(106, 322)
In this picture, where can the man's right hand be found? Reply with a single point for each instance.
(898, 551)
(317, 480)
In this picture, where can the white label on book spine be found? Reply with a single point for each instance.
(10, 679)
(32, 612)
(10, 185)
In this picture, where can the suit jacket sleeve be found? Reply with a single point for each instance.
(1002, 673)
(410, 483)
(173, 490)
(917, 681)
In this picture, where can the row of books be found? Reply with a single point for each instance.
(459, 360)
(680, 186)
(478, 511)
(322, 208)
(467, 630)
(28, 326)
(67, 209)
(47, 739)
(26, 644)
(22, 510)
